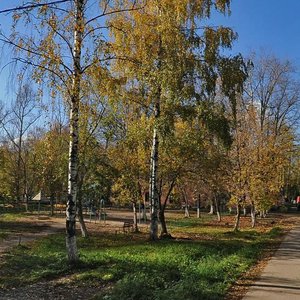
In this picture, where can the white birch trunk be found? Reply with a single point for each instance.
(186, 205)
(198, 206)
(217, 209)
(153, 191)
(73, 143)
(135, 219)
(253, 216)
(237, 218)
(186, 212)
(153, 188)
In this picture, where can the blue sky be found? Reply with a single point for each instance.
(272, 25)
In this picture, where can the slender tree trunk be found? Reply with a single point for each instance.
(83, 229)
(153, 193)
(253, 216)
(212, 208)
(162, 219)
(186, 212)
(198, 206)
(51, 205)
(144, 212)
(161, 214)
(186, 206)
(19, 161)
(162, 209)
(263, 213)
(135, 223)
(237, 219)
(25, 183)
(72, 187)
(71, 244)
(217, 209)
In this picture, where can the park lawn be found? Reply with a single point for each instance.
(130, 267)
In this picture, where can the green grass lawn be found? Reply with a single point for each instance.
(130, 267)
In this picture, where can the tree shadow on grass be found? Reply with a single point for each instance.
(17, 227)
(167, 269)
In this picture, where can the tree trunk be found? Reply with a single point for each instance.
(153, 192)
(212, 209)
(144, 211)
(162, 209)
(71, 244)
(72, 187)
(25, 183)
(198, 206)
(263, 213)
(186, 212)
(237, 220)
(83, 229)
(217, 209)
(162, 219)
(135, 223)
(19, 161)
(253, 216)
(186, 205)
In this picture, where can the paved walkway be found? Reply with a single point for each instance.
(281, 277)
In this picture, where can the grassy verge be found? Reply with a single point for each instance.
(130, 267)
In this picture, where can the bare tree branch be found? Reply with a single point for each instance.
(31, 51)
(133, 8)
(31, 6)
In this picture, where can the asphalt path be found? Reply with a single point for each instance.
(280, 280)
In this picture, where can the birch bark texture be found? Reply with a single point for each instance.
(74, 134)
(153, 192)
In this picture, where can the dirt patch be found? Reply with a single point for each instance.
(27, 229)
(57, 289)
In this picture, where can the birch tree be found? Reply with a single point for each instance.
(175, 60)
(68, 37)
